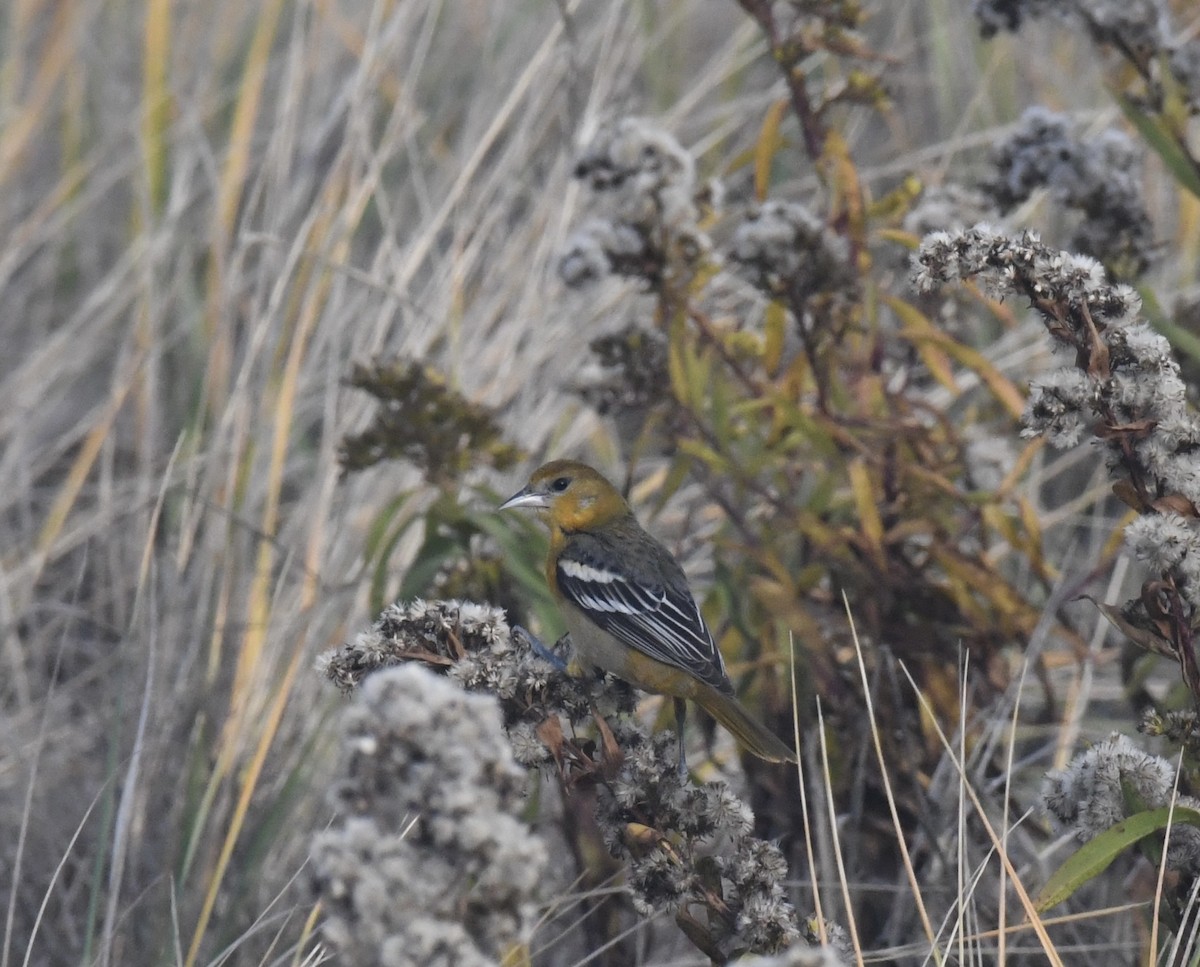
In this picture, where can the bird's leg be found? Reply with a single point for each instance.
(680, 716)
(539, 649)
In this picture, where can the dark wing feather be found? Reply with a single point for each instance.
(659, 618)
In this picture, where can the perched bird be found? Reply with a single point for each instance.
(626, 602)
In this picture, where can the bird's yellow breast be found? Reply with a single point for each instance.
(596, 648)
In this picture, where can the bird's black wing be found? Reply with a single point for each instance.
(654, 615)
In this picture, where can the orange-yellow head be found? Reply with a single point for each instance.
(570, 496)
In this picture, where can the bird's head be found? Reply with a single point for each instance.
(570, 496)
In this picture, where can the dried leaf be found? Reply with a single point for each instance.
(1145, 637)
(700, 936)
(1175, 504)
(640, 837)
(920, 330)
(613, 756)
(549, 730)
(1127, 493)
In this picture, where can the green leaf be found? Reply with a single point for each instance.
(1182, 340)
(1158, 134)
(1095, 856)
(523, 548)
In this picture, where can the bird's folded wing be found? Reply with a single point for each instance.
(656, 619)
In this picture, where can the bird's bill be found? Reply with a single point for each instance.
(525, 498)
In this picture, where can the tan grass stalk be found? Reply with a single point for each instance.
(851, 925)
(249, 784)
(56, 58)
(810, 852)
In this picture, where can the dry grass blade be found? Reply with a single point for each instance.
(810, 852)
(1031, 913)
(901, 839)
(847, 904)
(58, 869)
(249, 785)
(131, 787)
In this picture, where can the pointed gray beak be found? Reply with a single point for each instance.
(525, 498)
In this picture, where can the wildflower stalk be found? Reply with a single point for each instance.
(1124, 388)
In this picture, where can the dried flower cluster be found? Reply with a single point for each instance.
(1139, 20)
(804, 955)
(730, 898)
(656, 822)
(422, 420)
(634, 362)
(428, 862)
(1100, 177)
(949, 206)
(475, 645)
(650, 229)
(1140, 29)
(1104, 785)
(1125, 389)
(792, 255)
(1180, 726)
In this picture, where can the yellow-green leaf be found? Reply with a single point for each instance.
(1157, 133)
(920, 330)
(767, 146)
(868, 512)
(774, 330)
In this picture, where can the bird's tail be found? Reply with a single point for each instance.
(751, 733)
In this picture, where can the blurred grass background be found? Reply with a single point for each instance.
(208, 213)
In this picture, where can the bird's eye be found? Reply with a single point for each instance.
(560, 484)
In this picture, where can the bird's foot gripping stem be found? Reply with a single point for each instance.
(539, 648)
(680, 716)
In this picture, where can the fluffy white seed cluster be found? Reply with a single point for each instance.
(1141, 29)
(1099, 177)
(1022, 265)
(475, 644)
(709, 829)
(652, 205)
(1092, 794)
(1132, 396)
(1140, 24)
(1143, 391)
(429, 862)
(1167, 542)
(419, 629)
(649, 792)
(803, 955)
(790, 253)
